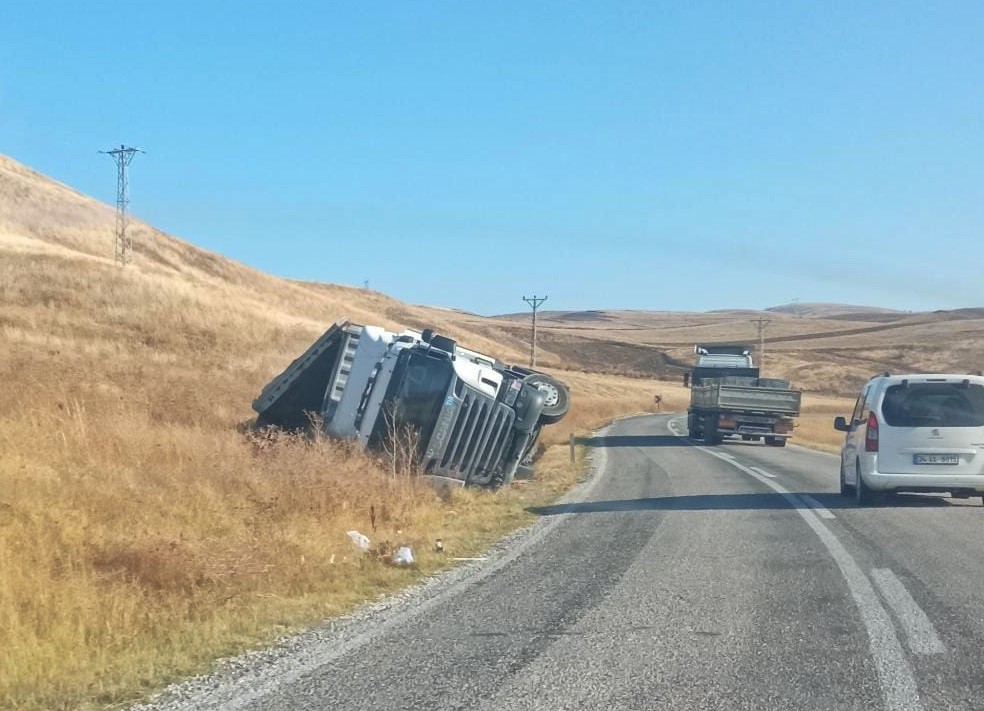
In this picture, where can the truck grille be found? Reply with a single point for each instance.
(479, 437)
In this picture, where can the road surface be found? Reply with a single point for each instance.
(688, 577)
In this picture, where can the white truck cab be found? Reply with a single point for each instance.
(476, 419)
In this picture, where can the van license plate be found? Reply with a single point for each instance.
(935, 459)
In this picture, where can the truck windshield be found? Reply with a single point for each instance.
(934, 405)
(420, 383)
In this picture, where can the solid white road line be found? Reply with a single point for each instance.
(820, 509)
(894, 673)
(920, 631)
(763, 472)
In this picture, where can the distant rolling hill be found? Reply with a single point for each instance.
(821, 347)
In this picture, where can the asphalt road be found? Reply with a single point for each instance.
(689, 577)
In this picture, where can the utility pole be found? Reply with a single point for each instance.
(761, 323)
(535, 304)
(122, 157)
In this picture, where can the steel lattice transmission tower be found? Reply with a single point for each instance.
(534, 304)
(122, 157)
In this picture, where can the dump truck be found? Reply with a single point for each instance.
(474, 420)
(729, 399)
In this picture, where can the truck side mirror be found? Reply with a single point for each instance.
(840, 424)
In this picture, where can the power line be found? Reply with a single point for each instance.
(534, 302)
(122, 157)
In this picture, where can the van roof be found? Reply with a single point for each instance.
(927, 378)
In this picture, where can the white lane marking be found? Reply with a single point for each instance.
(758, 470)
(920, 631)
(894, 673)
(725, 455)
(821, 510)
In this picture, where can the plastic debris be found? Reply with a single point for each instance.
(403, 556)
(359, 540)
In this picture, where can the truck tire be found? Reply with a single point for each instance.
(557, 399)
(775, 441)
(711, 435)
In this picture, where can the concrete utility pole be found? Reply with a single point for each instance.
(761, 323)
(535, 304)
(122, 157)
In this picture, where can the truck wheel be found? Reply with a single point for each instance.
(711, 436)
(775, 441)
(556, 397)
(693, 431)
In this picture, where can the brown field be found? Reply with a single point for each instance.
(143, 533)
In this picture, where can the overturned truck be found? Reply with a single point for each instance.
(474, 419)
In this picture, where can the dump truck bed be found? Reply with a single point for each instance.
(745, 398)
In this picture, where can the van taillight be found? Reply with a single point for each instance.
(871, 434)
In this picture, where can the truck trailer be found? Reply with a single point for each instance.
(729, 399)
(474, 419)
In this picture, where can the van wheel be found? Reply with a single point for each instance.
(845, 488)
(862, 494)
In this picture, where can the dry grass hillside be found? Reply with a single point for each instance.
(142, 532)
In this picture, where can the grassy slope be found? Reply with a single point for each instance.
(141, 533)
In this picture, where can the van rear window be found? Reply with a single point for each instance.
(934, 405)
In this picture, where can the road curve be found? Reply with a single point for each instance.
(684, 577)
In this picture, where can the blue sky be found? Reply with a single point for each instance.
(638, 155)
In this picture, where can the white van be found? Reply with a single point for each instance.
(920, 432)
